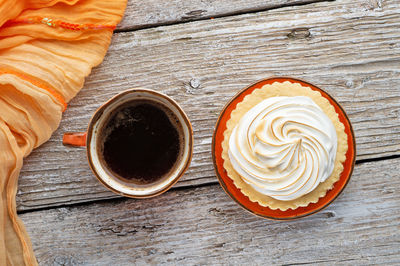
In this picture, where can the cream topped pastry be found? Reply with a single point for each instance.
(284, 147)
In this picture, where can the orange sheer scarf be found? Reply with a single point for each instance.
(47, 48)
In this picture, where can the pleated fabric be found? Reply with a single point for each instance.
(47, 48)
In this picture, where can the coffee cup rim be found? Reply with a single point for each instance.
(100, 112)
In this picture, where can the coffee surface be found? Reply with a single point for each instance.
(141, 141)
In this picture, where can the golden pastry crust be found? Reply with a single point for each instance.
(285, 89)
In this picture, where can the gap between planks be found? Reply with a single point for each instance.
(130, 23)
(117, 198)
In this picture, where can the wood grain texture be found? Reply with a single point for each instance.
(350, 49)
(204, 226)
(149, 13)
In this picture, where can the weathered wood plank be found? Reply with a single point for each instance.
(351, 50)
(203, 226)
(150, 13)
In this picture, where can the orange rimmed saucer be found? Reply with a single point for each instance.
(254, 207)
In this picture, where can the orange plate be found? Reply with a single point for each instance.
(255, 208)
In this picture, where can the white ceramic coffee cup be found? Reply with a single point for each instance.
(103, 174)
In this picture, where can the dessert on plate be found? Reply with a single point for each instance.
(284, 146)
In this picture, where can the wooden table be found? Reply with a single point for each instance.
(201, 53)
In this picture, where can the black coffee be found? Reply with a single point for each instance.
(141, 141)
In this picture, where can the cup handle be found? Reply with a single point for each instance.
(77, 139)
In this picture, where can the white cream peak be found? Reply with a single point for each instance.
(284, 147)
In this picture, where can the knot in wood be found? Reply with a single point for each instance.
(299, 33)
(194, 83)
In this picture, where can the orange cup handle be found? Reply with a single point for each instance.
(77, 139)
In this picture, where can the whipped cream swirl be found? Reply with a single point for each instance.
(284, 147)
